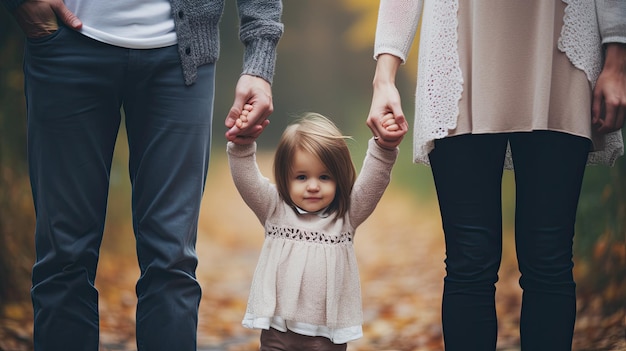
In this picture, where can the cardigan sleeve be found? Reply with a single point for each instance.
(255, 189)
(371, 183)
(612, 20)
(396, 27)
(260, 30)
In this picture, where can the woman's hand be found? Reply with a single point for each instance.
(386, 119)
(609, 95)
(395, 129)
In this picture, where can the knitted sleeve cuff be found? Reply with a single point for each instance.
(260, 59)
(238, 150)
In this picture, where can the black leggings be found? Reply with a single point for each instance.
(549, 169)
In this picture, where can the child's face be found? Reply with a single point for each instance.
(311, 186)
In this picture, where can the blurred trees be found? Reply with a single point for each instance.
(16, 211)
(600, 242)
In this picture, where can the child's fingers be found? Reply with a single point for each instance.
(242, 121)
(389, 122)
(242, 124)
(387, 117)
(392, 128)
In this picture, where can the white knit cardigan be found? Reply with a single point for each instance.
(440, 81)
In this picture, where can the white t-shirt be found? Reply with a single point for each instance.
(134, 24)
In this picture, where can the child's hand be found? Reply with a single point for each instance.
(389, 123)
(392, 130)
(243, 123)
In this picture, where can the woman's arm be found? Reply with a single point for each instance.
(396, 27)
(609, 95)
(612, 20)
(395, 31)
(386, 99)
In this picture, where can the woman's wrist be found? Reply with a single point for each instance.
(615, 57)
(386, 69)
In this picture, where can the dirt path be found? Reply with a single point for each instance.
(400, 252)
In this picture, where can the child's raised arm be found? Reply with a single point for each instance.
(255, 189)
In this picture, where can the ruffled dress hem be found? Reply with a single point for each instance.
(336, 335)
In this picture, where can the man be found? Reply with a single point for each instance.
(84, 61)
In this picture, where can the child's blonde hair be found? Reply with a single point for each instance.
(319, 136)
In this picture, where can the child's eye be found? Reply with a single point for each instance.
(325, 177)
(300, 177)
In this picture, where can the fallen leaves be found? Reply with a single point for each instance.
(400, 251)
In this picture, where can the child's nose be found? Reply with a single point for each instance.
(313, 185)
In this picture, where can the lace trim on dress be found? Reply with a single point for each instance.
(580, 39)
(440, 81)
(305, 235)
(336, 335)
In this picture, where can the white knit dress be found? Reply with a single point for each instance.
(307, 279)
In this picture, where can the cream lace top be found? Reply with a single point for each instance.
(440, 82)
(307, 279)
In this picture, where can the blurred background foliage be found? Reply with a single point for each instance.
(325, 65)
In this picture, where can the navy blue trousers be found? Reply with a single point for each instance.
(75, 90)
(467, 170)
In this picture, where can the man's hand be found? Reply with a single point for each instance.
(254, 95)
(38, 18)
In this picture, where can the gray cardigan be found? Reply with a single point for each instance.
(197, 30)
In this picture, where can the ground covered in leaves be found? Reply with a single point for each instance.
(400, 252)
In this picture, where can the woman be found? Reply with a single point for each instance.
(538, 85)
